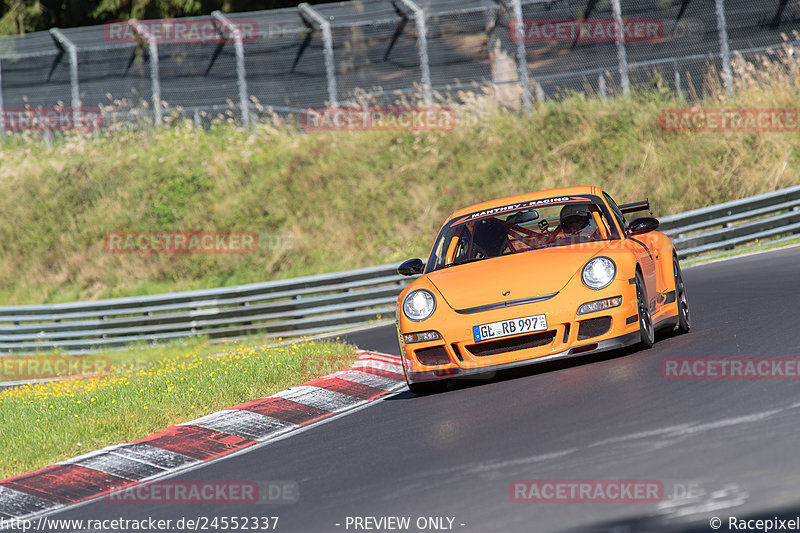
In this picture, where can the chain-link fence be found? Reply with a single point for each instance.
(243, 66)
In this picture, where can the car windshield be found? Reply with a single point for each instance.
(522, 227)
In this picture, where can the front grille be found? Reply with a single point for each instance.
(436, 355)
(594, 327)
(509, 345)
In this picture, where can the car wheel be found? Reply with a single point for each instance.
(684, 317)
(427, 387)
(646, 330)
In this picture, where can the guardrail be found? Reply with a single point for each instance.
(293, 307)
(730, 224)
(318, 304)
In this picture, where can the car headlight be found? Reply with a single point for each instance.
(419, 305)
(598, 272)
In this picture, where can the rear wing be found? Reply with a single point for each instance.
(636, 206)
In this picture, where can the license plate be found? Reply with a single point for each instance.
(504, 328)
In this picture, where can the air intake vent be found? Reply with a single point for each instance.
(509, 345)
(594, 327)
(433, 356)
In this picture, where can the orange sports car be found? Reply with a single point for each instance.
(533, 278)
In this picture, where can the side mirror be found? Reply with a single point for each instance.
(642, 225)
(412, 267)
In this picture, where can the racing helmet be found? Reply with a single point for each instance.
(574, 218)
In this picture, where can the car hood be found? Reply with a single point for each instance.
(523, 275)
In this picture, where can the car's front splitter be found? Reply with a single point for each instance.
(576, 351)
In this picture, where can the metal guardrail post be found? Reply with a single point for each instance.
(72, 51)
(724, 49)
(155, 82)
(622, 56)
(241, 74)
(422, 47)
(327, 39)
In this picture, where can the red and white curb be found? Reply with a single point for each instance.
(88, 476)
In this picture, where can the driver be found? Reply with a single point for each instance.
(490, 238)
(575, 218)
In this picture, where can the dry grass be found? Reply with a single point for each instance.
(341, 200)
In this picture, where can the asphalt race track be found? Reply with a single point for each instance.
(720, 448)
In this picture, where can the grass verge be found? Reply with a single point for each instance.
(339, 200)
(54, 421)
(745, 249)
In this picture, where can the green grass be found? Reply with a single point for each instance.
(53, 421)
(755, 246)
(340, 200)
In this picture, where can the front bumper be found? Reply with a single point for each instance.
(565, 336)
(616, 343)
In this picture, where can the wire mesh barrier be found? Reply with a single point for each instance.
(328, 302)
(245, 66)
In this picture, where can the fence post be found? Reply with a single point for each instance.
(72, 51)
(724, 50)
(677, 80)
(155, 83)
(241, 74)
(522, 56)
(327, 39)
(2, 110)
(422, 47)
(622, 56)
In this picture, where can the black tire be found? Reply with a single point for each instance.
(684, 316)
(427, 387)
(647, 331)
